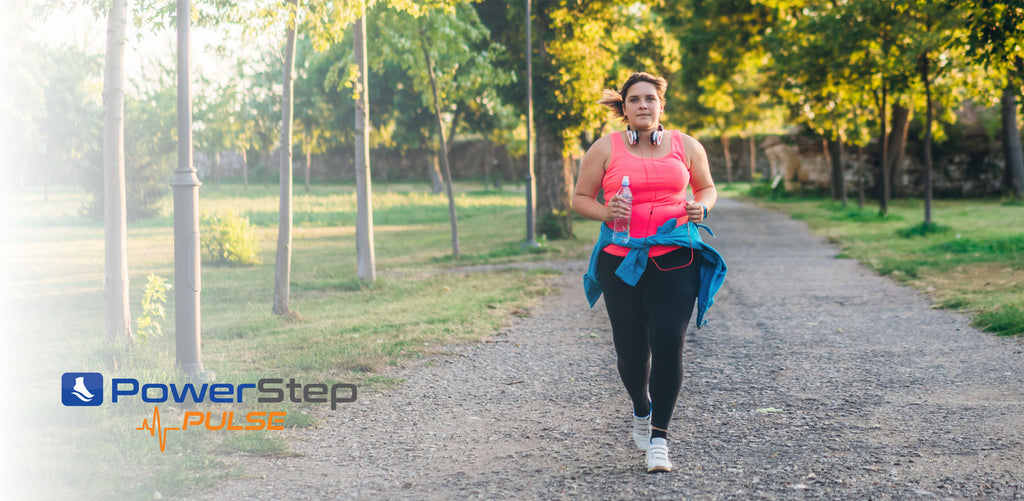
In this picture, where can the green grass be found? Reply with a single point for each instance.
(970, 259)
(342, 330)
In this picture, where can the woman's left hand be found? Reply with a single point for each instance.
(695, 211)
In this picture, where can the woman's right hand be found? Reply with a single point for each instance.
(617, 208)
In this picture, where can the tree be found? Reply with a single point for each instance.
(454, 44)
(935, 30)
(115, 284)
(312, 128)
(326, 22)
(429, 62)
(71, 117)
(217, 122)
(260, 114)
(282, 270)
(996, 32)
(722, 80)
(812, 70)
(581, 48)
(366, 260)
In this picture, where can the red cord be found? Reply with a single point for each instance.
(656, 265)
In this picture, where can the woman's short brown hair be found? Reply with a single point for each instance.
(614, 100)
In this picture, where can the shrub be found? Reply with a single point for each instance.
(554, 225)
(923, 230)
(228, 240)
(154, 298)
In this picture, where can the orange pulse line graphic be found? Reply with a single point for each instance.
(254, 421)
(155, 428)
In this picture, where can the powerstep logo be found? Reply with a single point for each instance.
(80, 389)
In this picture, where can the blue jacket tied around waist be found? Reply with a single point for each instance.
(712, 266)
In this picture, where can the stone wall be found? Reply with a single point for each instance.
(968, 164)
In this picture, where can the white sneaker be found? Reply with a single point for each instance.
(642, 431)
(657, 456)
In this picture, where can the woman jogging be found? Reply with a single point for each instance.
(652, 281)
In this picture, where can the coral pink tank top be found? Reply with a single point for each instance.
(658, 186)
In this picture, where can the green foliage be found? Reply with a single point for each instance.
(923, 229)
(1003, 245)
(760, 190)
(154, 297)
(860, 215)
(553, 225)
(512, 250)
(1006, 321)
(228, 240)
(150, 154)
(721, 87)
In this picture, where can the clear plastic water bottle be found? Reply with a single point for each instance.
(620, 225)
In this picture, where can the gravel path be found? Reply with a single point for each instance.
(814, 379)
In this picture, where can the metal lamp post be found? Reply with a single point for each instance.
(185, 184)
(531, 184)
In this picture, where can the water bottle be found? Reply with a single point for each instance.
(620, 225)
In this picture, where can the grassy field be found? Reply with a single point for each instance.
(971, 260)
(343, 330)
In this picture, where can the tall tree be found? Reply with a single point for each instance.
(580, 48)
(934, 30)
(366, 260)
(326, 22)
(428, 60)
(282, 269)
(996, 33)
(448, 57)
(722, 81)
(312, 111)
(813, 73)
(115, 284)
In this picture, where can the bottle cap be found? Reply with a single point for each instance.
(625, 180)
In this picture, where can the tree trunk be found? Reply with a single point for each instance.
(753, 157)
(309, 165)
(1011, 138)
(861, 177)
(728, 158)
(835, 153)
(366, 262)
(444, 145)
(898, 137)
(245, 169)
(283, 268)
(216, 170)
(436, 179)
(115, 281)
(927, 146)
(487, 170)
(554, 186)
(883, 196)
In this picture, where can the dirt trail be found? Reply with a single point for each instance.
(815, 378)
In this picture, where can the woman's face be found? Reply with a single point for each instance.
(642, 106)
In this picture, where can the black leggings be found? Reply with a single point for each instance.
(648, 327)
